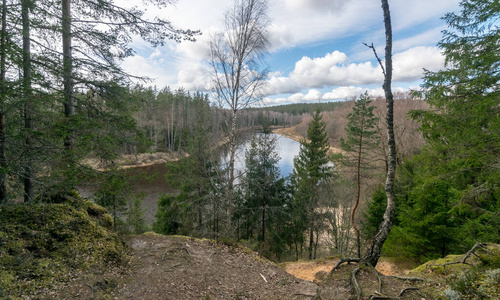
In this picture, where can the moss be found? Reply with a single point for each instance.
(42, 243)
(439, 267)
(490, 256)
(7, 281)
(478, 279)
(152, 233)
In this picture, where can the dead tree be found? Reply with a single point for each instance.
(374, 250)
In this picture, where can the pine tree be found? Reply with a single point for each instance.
(361, 138)
(311, 168)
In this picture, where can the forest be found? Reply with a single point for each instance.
(411, 175)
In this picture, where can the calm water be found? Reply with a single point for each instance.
(152, 188)
(287, 150)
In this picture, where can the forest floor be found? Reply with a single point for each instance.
(177, 267)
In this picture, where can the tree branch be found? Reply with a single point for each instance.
(376, 55)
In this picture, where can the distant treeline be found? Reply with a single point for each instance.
(302, 108)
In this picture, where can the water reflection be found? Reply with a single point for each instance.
(287, 150)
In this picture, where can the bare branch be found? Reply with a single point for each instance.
(376, 56)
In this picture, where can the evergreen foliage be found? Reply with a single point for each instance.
(311, 168)
(263, 210)
(450, 192)
(304, 108)
(362, 138)
(196, 210)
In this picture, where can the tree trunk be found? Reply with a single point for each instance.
(358, 175)
(263, 223)
(374, 250)
(3, 54)
(69, 101)
(230, 180)
(28, 104)
(311, 240)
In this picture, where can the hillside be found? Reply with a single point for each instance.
(66, 251)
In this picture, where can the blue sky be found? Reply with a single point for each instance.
(317, 51)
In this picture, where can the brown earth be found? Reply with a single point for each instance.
(170, 267)
(178, 267)
(138, 160)
(307, 270)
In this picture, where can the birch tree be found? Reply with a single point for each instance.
(236, 58)
(375, 248)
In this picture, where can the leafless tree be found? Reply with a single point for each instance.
(238, 76)
(375, 248)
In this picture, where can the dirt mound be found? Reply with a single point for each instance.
(310, 270)
(369, 284)
(170, 267)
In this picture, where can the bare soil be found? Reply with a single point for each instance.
(170, 267)
(307, 270)
(178, 267)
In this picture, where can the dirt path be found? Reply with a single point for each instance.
(169, 267)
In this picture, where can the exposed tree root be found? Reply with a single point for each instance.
(409, 289)
(355, 283)
(472, 251)
(344, 260)
(378, 294)
(91, 290)
(381, 297)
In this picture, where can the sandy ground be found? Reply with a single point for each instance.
(307, 269)
(291, 133)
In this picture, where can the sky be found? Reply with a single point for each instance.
(317, 52)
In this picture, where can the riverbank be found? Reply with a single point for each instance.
(291, 133)
(138, 160)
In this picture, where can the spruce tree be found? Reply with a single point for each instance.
(454, 188)
(264, 191)
(311, 168)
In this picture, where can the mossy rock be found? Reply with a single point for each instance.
(41, 243)
(441, 267)
(478, 279)
(490, 255)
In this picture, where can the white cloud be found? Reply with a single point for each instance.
(346, 92)
(147, 67)
(333, 70)
(340, 93)
(194, 78)
(313, 95)
(305, 24)
(409, 65)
